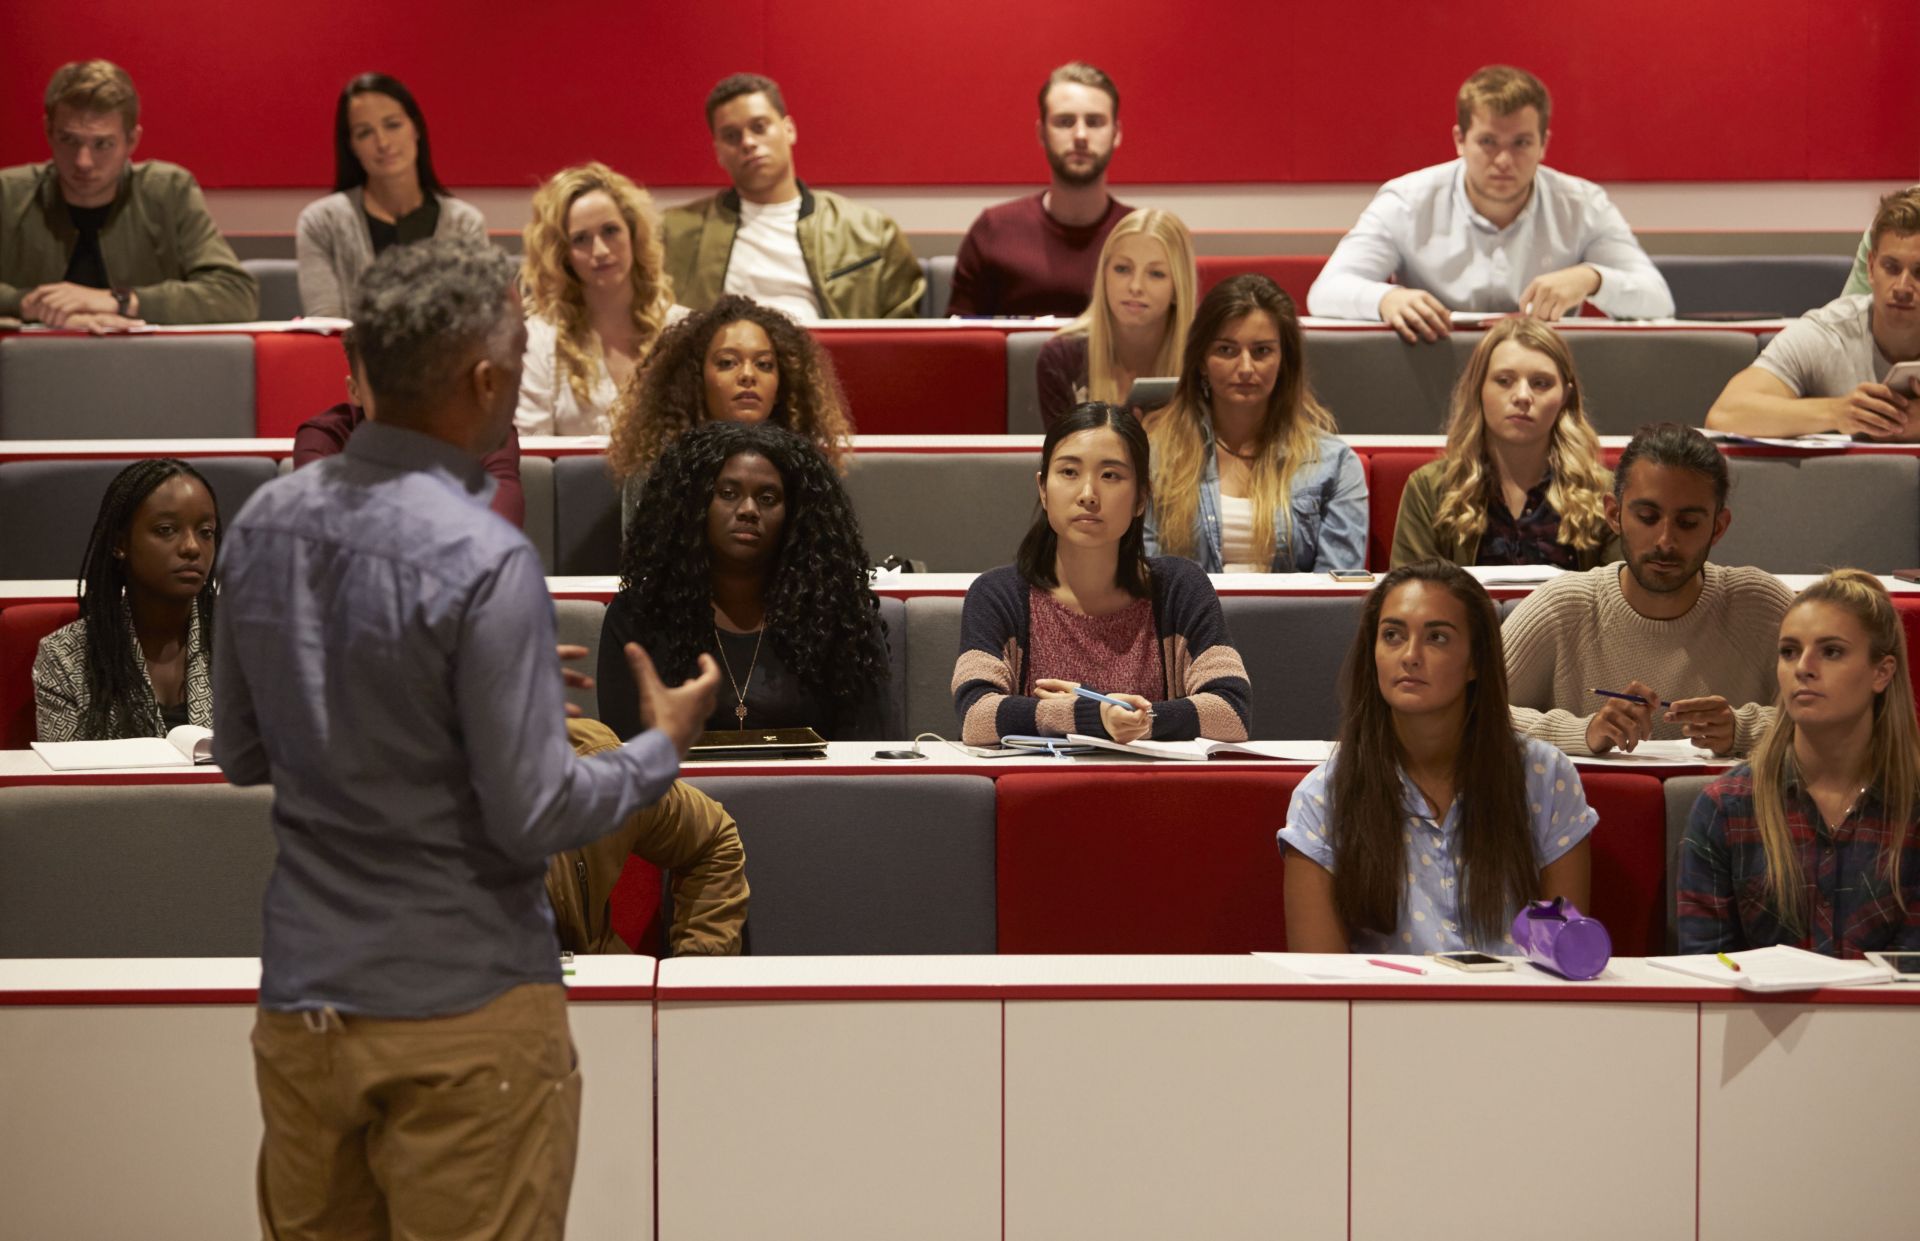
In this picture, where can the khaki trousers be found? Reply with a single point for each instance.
(451, 1127)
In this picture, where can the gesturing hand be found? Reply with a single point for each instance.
(572, 678)
(681, 713)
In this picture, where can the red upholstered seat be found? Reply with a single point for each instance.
(295, 376)
(1908, 606)
(1629, 847)
(1387, 474)
(21, 628)
(1293, 272)
(935, 381)
(1146, 862)
(635, 907)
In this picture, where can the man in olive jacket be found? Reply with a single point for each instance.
(94, 242)
(810, 253)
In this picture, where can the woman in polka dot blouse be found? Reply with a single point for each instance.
(1433, 822)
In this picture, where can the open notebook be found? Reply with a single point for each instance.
(1778, 968)
(185, 746)
(1201, 750)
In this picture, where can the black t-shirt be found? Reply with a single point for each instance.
(176, 715)
(775, 698)
(88, 266)
(416, 225)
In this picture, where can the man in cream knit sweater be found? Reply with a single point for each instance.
(1665, 626)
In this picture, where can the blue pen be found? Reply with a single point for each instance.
(1084, 692)
(1634, 698)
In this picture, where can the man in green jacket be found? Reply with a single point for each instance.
(91, 241)
(808, 252)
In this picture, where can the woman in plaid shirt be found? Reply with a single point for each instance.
(1813, 843)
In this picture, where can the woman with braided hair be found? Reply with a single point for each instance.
(745, 546)
(138, 661)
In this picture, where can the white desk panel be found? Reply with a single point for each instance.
(1806, 1120)
(848, 1120)
(128, 1122)
(1162, 1118)
(1473, 1121)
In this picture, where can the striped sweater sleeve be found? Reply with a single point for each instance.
(1208, 693)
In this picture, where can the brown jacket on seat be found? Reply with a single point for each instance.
(685, 833)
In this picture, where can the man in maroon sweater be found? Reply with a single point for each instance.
(327, 432)
(1037, 255)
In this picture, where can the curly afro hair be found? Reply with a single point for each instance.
(668, 394)
(822, 617)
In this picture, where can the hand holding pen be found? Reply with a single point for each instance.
(1707, 721)
(1127, 717)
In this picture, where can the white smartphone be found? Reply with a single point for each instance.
(1905, 965)
(1473, 962)
(1150, 392)
(1904, 378)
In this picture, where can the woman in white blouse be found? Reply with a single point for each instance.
(596, 298)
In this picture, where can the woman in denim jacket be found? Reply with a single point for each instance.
(1248, 475)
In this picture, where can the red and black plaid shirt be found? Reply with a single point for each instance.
(1851, 909)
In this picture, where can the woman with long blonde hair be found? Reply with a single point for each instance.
(1520, 481)
(596, 298)
(1248, 474)
(1135, 324)
(1813, 843)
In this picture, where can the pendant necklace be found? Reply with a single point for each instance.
(740, 688)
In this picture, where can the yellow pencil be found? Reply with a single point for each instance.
(1728, 961)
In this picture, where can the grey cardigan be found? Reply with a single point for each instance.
(334, 247)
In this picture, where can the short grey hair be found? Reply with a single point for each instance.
(422, 311)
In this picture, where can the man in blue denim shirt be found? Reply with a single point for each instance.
(384, 660)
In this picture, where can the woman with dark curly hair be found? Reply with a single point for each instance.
(138, 662)
(745, 547)
(736, 361)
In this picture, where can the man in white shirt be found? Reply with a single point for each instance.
(1827, 371)
(1493, 230)
(810, 253)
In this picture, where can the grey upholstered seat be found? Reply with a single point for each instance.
(939, 273)
(956, 512)
(48, 507)
(1293, 649)
(933, 642)
(1377, 384)
(1761, 286)
(577, 622)
(1811, 514)
(586, 517)
(279, 287)
(155, 871)
(865, 864)
(1681, 792)
(126, 387)
(536, 488)
(1633, 378)
(1023, 382)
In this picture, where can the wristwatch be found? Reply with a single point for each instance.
(122, 301)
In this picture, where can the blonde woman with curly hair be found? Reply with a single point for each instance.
(1521, 480)
(1813, 843)
(736, 361)
(1248, 473)
(1134, 327)
(596, 298)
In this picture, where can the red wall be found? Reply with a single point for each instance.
(937, 93)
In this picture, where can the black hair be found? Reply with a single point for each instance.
(347, 169)
(822, 617)
(115, 668)
(1040, 546)
(1677, 447)
(734, 85)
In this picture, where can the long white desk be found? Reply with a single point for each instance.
(1044, 1097)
